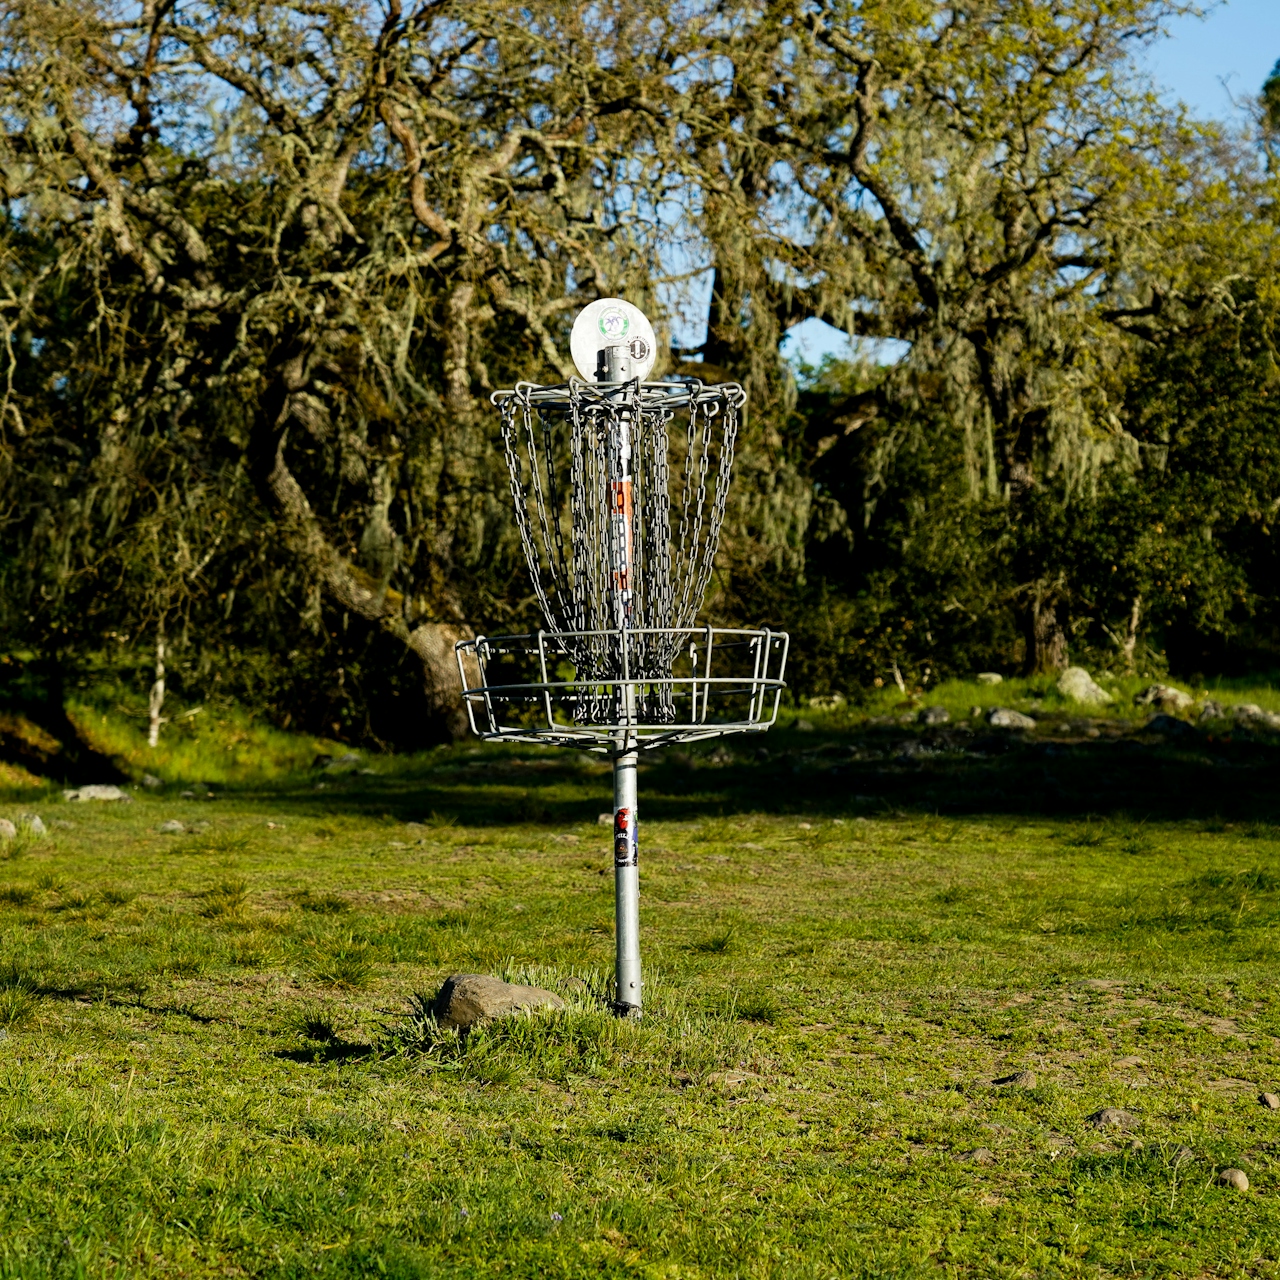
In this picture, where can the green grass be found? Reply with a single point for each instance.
(218, 1060)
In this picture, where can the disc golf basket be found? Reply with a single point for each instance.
(620, 488)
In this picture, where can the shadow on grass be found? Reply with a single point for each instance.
(837, 773)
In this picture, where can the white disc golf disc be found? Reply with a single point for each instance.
(612, 322)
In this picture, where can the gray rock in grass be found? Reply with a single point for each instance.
(466, 999)
(1270, 1100)
(1078, 685)
(95, 791)
(1110, 1118)
(1236, 1179)
(150, 780)
(7, 829)
(1164, 696)
(990, 677)
(1005, 718)
(171, 828)
(935, 715)
(33, 823)
(979, 1155)
(1170, 726)
(1019, 1080)
(1252, 716)
(1212, 709)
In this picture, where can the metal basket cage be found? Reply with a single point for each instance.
(531, 688)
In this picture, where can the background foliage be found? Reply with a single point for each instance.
(262, 263)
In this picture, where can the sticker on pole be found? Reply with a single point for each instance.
(626, 839)
(612, 322)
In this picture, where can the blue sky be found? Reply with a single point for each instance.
(1203, 61)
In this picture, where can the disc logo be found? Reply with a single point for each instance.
(614, 324)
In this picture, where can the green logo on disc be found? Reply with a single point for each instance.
(614, 324)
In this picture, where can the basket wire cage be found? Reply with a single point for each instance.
(620, 488)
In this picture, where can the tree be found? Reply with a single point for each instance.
(263, 261)
(990, 184)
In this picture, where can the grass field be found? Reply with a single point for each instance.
(851, 931)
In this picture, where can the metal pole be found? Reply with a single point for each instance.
(626, 886)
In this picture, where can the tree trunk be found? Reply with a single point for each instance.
(155, 704)
(1045, 638)
(353, 589)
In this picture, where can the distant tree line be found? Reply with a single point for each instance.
(263, 263)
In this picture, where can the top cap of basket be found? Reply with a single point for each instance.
(612, 325)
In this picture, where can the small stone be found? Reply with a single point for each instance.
(935, 715)
(980, 1155)
(605, 820)
(1236, 1179)
(1252, 716)
(804, 726)
(33, 823)
(1078, 685)
(1019, 1080)
(806, 826)
(1181, 1155)
(1164, 696)
(466, 999)
(1270, 1100)
(150, 780)
(1212, 709)
(1005, 718)
(1137, 1144)
(63, 825)
(974, 712)
(95, 791)
(566, 838)
(990, 677)
(171, 828)
(1110, 1118)
(7, 829)
(1169, 725)
(275, 826)
(187, 795)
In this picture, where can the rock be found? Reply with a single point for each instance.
(1019, 1080)
(7, 829)
(150, 780)
(1004, 718)
(979, 1155)
(1110, 1118)
(990, 677)
(1181, 1155)
(96, 791)
(605, 820)
(935, 715)
(171, 828)
(974, 712)
(33, 823)
(470, 998)
(1078, 685)
(804, 726)
(1164, 696)
(1270, 1100)
(1212, 709)
(1236, 1179)
(1252, 715)
(1170, 726)
(63, 825)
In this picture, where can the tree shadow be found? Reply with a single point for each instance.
(847, 772)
